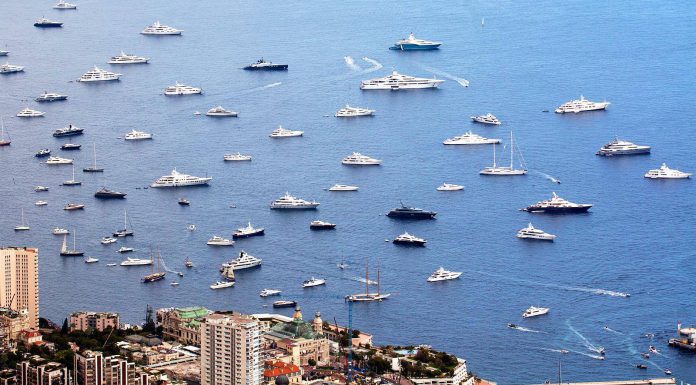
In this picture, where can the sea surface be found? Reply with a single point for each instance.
(518, 59)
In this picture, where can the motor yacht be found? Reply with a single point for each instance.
(313, 282)
(8, 68)
(289, 202)
(343, 187)
(263, 65)
(29, 113)
(177, 179)
(557, 205)
(4, 53)
(59, 231)
(496, 170)
(105, 193)
(486, 119)
(397, 81)
(409, 239)
(443, 275)
(243, 261)
(405, 212)
(58, 160)
(450, 187)
(91, 260)
(97, 74)
(534, 311)
(70, 130)
(284, 304)
(238, 157)
(40, 203)
(181, 89)
(137, 135)
(281, 132)
(40, 188)
(44, 152)
(184, 202)
(349, 112)
(125, 249)
(64, 5)
(622, 147)
(125, 58)
(665, 172)
(269, 292)
(219, 241)
(74, 206)
(107, 240)
(581, 105)
(50, 97)
(469, 138)
(160, 29)
(530, 232)
(413, 44)
(358, 159)
(248, 231)
(71, 147)
(46, 23)
(321, 225)
(220, 112)
(222, 285)
(137, 262)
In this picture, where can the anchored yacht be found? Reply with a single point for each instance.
(622, 147)
(137, 135)
(70, 130)
(125, 58)
(136, 262)
(409, 239)
(413, 44)
(58, 160)
(289, 202)
(64, 5)
(4, 53)
(182, 89)
(107, 240)
(665, 172)
(314, 282)
(105, 193)
(59, 231)
(243, 261)
(557, 205)
(321, 225)
(397, 81)
(503, 170)
(40, 203)
(23, 226)
(405, 212)
(443, 275)
(74, 206)
(29, 113)
(349, 112)
(358, 159)
(248, 231)
(40, 188)
(222, 285)
(450, 187)
(530, 232)
(160, 29)
(8, 68)
(534, 311)
(44, 152)
(343, 187)
(269, 292)
(50, 97)
(581, 105)
(281, 132)
(46, 23)
(219, 241)
(220, 112)
(177, 179)
(263, 65)
(71, 147)
(238, 157)
(486, 119)
(125, 249)
(469, 138)
(97, 74)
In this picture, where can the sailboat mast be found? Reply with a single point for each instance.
(74, 241)
(512, 145)
(494, 154)
(94, 154)
(377, 280)
(367, 279)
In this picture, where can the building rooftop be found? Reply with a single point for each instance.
(279, 368)
(192, 312)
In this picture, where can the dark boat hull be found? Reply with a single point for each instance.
(623, 153)
(110, 195)
(92, 169)
(322, 227)
(70, 148)
(47, 100)
(408, 243)
(48, 25)
(558, 210)
(274, 67)
(72, 254)
(69, 133)
(123, 233)
(256, 234)
(413, 215)
(284, 304)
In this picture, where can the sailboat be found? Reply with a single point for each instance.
(93, 167)
(155, 275)
(367, 296)
(64, 252)
(124, 232)
(3, 141)
(72, 182)
(503, 170)
(23, 226)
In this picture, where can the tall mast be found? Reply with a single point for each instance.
(512, 145)
(367, 279)
(74, 242)
(94, 152)
(377, 279)
(494, 155)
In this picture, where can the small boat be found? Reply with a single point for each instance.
(269, 292)
(219, 241)
(313, 282)
(71, 147)
(191, 227)
(124, 232)
(180, 274)
(263, 65)
(44, 152)
(642, 366)
(220, 112)
(72, 182)
(283, 304)
(91, 260)
(23, 226)
(342, 265)
(668, 372)
(652, 349)
(93, 167)
(56, 160)
(535, 311)
(74, 206)
(107, 240)
(409, 239)
(512, 326)
(110, 264)
(321, 225)
(222, 284)
(3, 141)
(343, 187)
(601, 358)
(645, 355)
(40, 203)
(450, 187)
(174, 283)
(184, 202)
(125, 249)
(238, 157)
(188, 263)
(59, 231)
(196, 113)
(40, 188)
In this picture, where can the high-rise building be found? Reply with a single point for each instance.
(19, 282)
(86, 320)
(37, 371)
(89, 368)
(231, 350)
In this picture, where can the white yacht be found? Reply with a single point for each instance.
(238, 157)
(243, 261)
(59, 231)
(50, 97)
(181, 89)
(469, 138)
(136, 262)
(23, 225)
(269, 292)
(409, 239)
(289, 202)
(40, 203)
(281, 132)
(91, 260)
(450, 187)
(343, 187)
(8, 68)
(98, 75)
(486, 119)
(125, 249)
(221, 112)
(29, 113)
(665, 172)
(220, 241)
(530, 232)
(248, 231)
(534, 311)
(125, 58)
(397, 81)
(358, 159)
(107, 240)
(622, 147)
(137, 135)
(40, 188)
(177, 179)
(64, 5)
(503, 170)
(313, 282)
(413, 44)
(443, 275)
(349, 112)
(160, 29)
(58, 160)
(222, 285)
(581, 105)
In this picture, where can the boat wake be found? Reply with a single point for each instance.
(375, 65)
(524, 329)
(351, 63)
(607, 328)
(259, 88)
(589, 345)
(562, 351)
(462, 82)
(363, 280)
(596, 357)
(549, 177)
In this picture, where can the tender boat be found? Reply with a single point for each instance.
(486, 119)
(349, 112)
(70, 147)
(581, 105)
(70, 130)
(238, 157)
(160, 29)
(23, 226)
(44, 152)
(313, 282)
(136, 262)
(281, 132)
(177, 179)
(182, 89)
(283, 304)
(243, 261)
(534, 311)
(184, 202)
(269, 292)
(469, 138)
(321, 225)
(64, 5)
(289, 202)
(97, 74)
(29, 113)
(4, 53)
(220, 112)
(58, 160)
(397, 81)
(107, 240)
(105, 193)
(125, 58)
(46, 23)
(413, 44)
(65, 252)
(40, 203)
(74, 206)
(59, 231)
(530, 232)
(622, 147)
(137, 135)
(222, 284)
(8, 68)
(665, 172)
(125, 249)
(557, 205)
(263, 65)
(358, 159)
(409, 239)
(50, 97)
(343, 187)
(188, 263)
(496, 170)
(405, 212)
(443, 275)
(219, 241)
(91, 260)
(450, 187)
(248, 231)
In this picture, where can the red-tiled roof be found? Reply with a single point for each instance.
(280, 367)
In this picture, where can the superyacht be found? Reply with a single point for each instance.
(58, 160)
(220, 112)
(534, 311)
(349, 112)
(413, 44)
(405, 212)
(486, 119)
(443, 275)
(70, 130)
(321, 225)
(50, 97)
(125, 58)
(469, 138)
(181, 89)
(289, 202)
(581, 105)
(160, 29)
(238, 157)
(281, 132)
(219, 241)
(98, 75)
(503, 170)
(248, 231)
(343, 187)
(177, 179)
(243, 261)
(665, 172)
(8, 68)
(105, 193)
(64, 5)
(358, 159)
(530, 232)
(622, 147)
(409, 239)
(136, 262)
(397, 81)
(557, 205)
(137, 135)
(263, 65)
(29, 113)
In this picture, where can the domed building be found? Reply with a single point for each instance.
(300, 340)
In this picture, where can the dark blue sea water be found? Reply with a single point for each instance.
(529, 57)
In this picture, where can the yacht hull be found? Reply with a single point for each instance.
(558, 210)
(397, 87)
(414, 47)
(642, 151)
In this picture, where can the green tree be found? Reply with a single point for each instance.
(65, 329)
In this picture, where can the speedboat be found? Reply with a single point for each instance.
(289, 202)
(136, 262)
(358, 159)
(125, 58)
(409, 239)
(137, 135)
(73, 206)
(219, 111)
(313, 282)
(181, 89)
(397, 81)
(174, 283)
(248, 231)
(44, 152)
(668, 372)
(665, 172)
(238, 157)
(443, 275)
(29, 113)
(64, 5)
(413, 44)
(349, 112)
(263, 65)
(40, 188)
(59, 231)
(486, 119)
(58, 160)
(283, 304)
(125, 249)
(177, 179)
(581, 105)
(641, 366)
(530, 232)
(71, 147)
(557, 205)
(622, 147)
(40, 203)
(243, 261)
(222, 284)
(183, 202)
(107, 240)
(343, 187)
(70, 130)
(405, 212)
(281, 132)
(188, 263)
(534, 311)
(321, 225)
(469, 138)
(160, 29)
(269, 292)
(219, 241)
(50, 97)
(97, 74)
(46, 23)
(91, 260)
(450, 187)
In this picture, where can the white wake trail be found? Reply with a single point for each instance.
(462, 82)
(375, 65)
(351, 63)
(549, 177)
